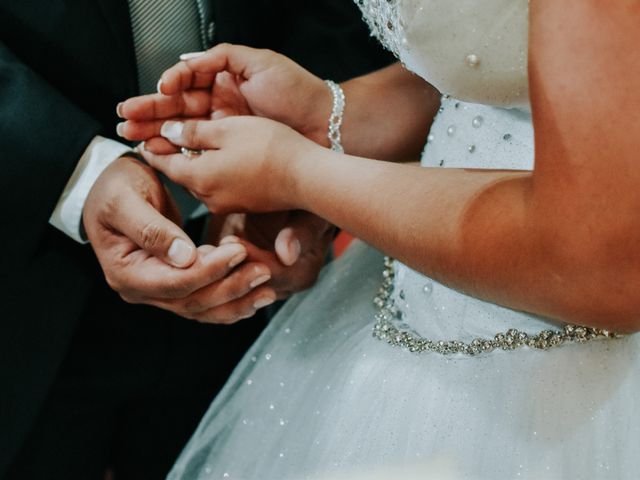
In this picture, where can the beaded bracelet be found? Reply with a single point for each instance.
(335, 120)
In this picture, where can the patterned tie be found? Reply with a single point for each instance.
(162, 30)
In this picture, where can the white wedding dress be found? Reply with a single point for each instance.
(381, 372)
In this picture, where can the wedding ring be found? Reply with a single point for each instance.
(189, 153)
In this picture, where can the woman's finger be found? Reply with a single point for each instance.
(180, 78)
(196, 135)
(188, 103)
(236, 59)
(143, 130)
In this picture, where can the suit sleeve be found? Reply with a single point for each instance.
(330, 38)
(42, 136)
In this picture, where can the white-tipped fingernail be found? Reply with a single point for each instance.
(191, 55)
(120, 129)
(119, 109)
(260, 280)
(180, 252)
(158, 86)
(263, 302)
(171, 129)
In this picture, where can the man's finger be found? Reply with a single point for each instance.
(303, 233)
(234, 286)
(181, 169)
(181, 78)
(138, 220)
(240, 309)
(189, 103)
(143, 276)
(235, 59)
(159, 146)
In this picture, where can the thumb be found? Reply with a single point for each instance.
(151, 231)
(302, 234)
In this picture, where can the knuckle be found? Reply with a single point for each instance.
(114, 283)
(190, 132)
(194, 305)
(173, 289)
(152, 235)
(234, 291)
(128, 299)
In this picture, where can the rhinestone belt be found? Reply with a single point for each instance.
(386, 330)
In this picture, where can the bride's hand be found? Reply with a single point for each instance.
(247, 163)
(232, 80)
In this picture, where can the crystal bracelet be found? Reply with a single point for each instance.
(335, 120)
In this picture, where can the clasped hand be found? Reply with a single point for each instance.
(258, 114)
(244, 168)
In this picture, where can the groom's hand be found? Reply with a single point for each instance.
(131, 222)
(293, 245)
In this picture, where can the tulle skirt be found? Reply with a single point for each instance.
(318, 397)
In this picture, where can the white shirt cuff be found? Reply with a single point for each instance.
(67, 216)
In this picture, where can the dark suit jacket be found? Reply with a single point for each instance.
(64, 64)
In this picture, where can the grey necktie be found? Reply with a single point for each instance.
(162, 30)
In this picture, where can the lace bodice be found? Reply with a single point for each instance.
(474, 50)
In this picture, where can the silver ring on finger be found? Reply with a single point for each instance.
(190, 153)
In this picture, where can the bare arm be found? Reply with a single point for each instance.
(395, 124)
(561, 241)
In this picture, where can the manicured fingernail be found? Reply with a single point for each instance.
(190, 55)
(120, 129)
(263, 302)
(180, 252)
(158, 86)
(260, 280)
(172, 129)
(119, 109)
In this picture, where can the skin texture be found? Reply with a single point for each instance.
(131, 223)
(561, 241)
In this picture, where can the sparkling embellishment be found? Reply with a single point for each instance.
(472, 60)
(384, 22)
(506, 136)
(335, 119)
(385, 330)
(428, 288)
(451, 131)
(472, 148)
(430, 138)
(477, 121)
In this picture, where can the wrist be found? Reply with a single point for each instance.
(298, 163)
(320, 107)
